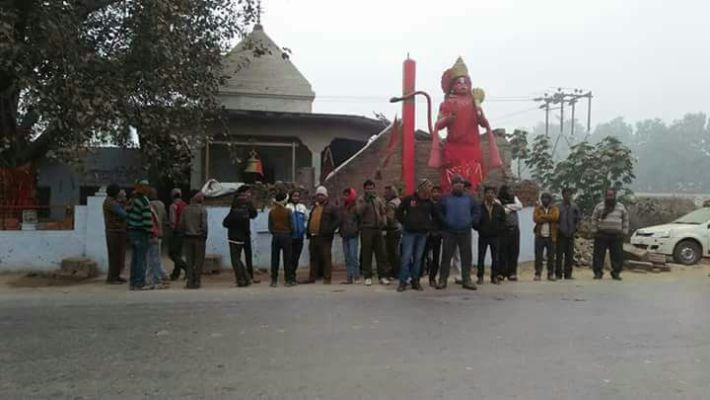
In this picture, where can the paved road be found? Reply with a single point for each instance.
(645, 338)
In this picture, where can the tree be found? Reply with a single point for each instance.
(540, 160)
(77, 71)
(590, 170)
(519, 148)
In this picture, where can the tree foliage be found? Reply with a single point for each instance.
(518, 141)
(74, 72)
(539, 160)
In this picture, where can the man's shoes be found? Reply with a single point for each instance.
(458, 281)
(326, 281)
(114, 282)
(441, 286)
(254, 280)
(274, 284)
(559, 277)
(291, 284)
(432, 283)
(501, 278)
(569, 278)
(551, 278)
(469, 286)
(495, 281)
(307, 281)
(597, 276)
(121, 280)
(537, 277)
(616, 277)
(417, 286)
(368, 282)
(348, 282)
(513, 278)
(480, 281)
(402, 287)
(384, 281)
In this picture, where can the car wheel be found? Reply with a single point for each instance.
(687, 252)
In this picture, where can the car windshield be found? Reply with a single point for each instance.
(696, 217)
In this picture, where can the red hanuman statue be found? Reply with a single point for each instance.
(461, 114)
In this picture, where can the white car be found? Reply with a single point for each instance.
(687, 239)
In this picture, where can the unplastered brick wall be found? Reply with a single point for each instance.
(365, 164)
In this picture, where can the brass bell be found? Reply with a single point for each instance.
(254, 164)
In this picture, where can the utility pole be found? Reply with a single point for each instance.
(570, 98)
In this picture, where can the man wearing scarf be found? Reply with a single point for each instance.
(610, 223)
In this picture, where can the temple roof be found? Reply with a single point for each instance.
(270, 82)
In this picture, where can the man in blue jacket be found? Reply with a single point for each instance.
(460, 212)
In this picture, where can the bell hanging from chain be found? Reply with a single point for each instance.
(254, 165)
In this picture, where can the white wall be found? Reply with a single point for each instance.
(44, 250)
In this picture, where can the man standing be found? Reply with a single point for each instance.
(393, 230)
(299, 213)
(349, 233)
(238, 226)
(509, 246)
(194, 226)
(610, 223)
(140, 225)
(244, 197)
(569, 220)
(415, 213)
(545, 217)
(175, 251)
(460, 213)
(322, 224)
(490, 227)
(154, 269)
(281, 228)
(372, 213)
(433, 245)
(116, 234)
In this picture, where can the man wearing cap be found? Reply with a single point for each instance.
(460, 213)
(322, 224)
(415, 213)
(175, 249)
(372, 213)
(140, 226)
(194, 226)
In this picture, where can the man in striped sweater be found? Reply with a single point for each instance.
(610, 223)
(140, 225)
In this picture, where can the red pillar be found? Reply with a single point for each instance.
(408, 113)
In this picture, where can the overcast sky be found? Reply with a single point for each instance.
(641, 58)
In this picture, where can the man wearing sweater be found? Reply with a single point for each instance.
(281, 228)
(175, 246)
(393, 230)
(299, 213)
(460, 213)
(415, 213)
(545, 217)
(610, 223)
(569, 220)
(350, 236)
(238, 224)
(194, 227)
(490, 227)
(140, 225)
(116, 235)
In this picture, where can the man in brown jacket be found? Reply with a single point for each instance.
(281, 227)
(372, 213)
(194, 227)
(116, 234)
(322, 224)
(545, 217)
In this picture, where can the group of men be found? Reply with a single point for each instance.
(141, 222)
(409, 238)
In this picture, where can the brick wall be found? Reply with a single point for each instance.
(364, 165)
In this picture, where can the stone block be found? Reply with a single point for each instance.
(78, 268)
